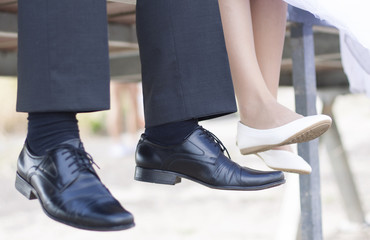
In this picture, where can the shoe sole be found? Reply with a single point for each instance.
(172, 178)
(290, 170)
(30, 193)
(305, 135)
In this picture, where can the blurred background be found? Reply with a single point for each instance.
(187, 210)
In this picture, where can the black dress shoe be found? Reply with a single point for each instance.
(199, 158)
(69, 189)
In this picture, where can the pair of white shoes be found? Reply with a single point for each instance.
(260, 142)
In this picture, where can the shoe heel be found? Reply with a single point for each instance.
(156, 176)
(24, 187)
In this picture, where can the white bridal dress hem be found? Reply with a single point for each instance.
(352, 18)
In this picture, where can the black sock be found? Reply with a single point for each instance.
(46, 130)
(171, 133)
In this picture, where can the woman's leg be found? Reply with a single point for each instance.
(254, 33)
(269, 24)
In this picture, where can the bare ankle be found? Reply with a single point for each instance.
(265, 115)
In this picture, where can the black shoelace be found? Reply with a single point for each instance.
(82, 160)
(217, 142)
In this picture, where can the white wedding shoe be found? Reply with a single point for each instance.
(251, 140)
(285, 161)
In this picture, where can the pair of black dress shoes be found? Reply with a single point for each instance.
(71, 192)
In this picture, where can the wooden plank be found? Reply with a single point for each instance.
(11, 35)
(327, 57)
(124, 1)
(114, 8)
(10, 45)
(7, 2)
(8, 41)
(121, 13)
(326, 29)
(323, 62)
(119, 45)
(8, 6)
(127, 19)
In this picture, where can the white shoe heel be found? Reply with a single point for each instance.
(285, 161)
(251, 140)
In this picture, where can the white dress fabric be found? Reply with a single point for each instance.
(352, 18)
(356, 64)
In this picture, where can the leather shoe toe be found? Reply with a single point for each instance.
(199, 158)
(69, 189)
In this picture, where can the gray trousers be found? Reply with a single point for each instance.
(63, 62)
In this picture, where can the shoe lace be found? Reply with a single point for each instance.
(82, 160)
(213, 139)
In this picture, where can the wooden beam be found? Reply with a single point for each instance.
(124, 1)
(8, 41)
(8, 34)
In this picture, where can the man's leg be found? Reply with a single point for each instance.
(63, 70)
(186, 78)
(184, 61)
